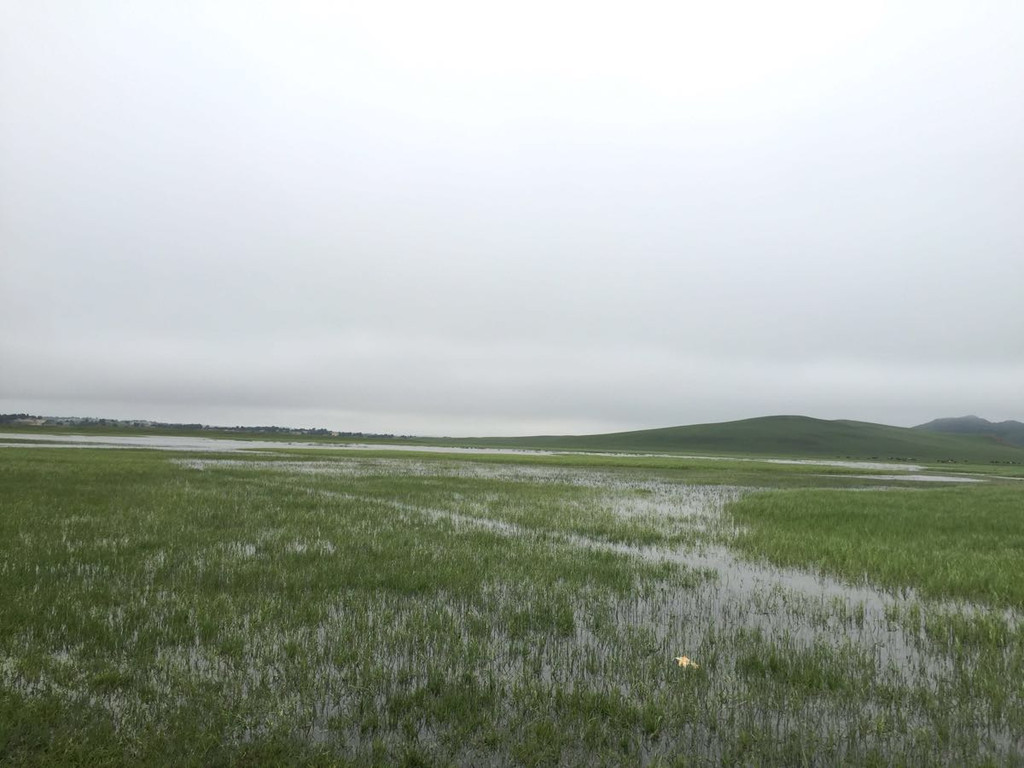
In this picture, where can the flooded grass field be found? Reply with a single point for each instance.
(367, 609)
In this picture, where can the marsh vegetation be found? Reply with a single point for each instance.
(370, 609)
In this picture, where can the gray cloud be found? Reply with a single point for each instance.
(559, 219)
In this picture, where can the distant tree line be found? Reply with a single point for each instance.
(26, 419)
(11, 418)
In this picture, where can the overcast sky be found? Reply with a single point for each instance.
(479, 218)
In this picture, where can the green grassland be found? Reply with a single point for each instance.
(965, 543)
(374, 608)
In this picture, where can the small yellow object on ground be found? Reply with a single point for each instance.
(684, 661)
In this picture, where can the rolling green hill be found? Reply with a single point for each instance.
(1009, 432)
(797, 436)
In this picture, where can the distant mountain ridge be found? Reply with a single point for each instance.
(1009, 432)
(796, 436)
